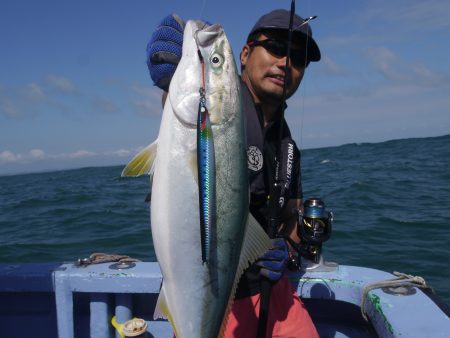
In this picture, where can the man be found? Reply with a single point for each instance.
(263, 74)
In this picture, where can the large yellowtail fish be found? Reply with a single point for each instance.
(197, 292)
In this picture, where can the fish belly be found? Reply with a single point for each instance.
(197, 294)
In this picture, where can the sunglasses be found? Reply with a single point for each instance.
(279, 49)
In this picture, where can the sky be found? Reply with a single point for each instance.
(75, 89)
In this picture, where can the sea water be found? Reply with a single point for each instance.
(391, 205)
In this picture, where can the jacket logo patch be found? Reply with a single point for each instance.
(255, 158)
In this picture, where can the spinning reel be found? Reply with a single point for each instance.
(314, 228)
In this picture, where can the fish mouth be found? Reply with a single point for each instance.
(207, 34)
(184, 97)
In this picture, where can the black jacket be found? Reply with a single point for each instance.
(262, 147)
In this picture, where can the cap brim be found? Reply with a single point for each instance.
(313, 49)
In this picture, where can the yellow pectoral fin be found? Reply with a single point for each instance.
(142, 163)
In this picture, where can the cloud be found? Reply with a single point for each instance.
(61, 84)
(37, 153)
(146, 101)
(34, 92)
(331, 67)
(26, 100)
(386, 111)
(36, 97)
(105, 105)
(36, 160)
(79, 154)
(408, 15)
(380, 22)
(45, 98)
(21, 101)
(8, 107)
(384, 61)
(348, 39)
(121, 152)
(395, 69)
(7, 157)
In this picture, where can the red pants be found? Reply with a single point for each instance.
(288, 317)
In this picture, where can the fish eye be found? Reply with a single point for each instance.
(216, 60)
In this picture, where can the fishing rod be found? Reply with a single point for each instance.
(276, 200)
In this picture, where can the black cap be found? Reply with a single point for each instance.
(279, 19)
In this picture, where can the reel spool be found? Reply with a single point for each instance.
(315, 224)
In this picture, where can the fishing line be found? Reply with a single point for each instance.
(300, 121)
(302, 118)
(275, 199)
(202, 9)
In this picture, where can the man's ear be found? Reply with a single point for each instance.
(244, 55)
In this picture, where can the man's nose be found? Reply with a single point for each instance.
(281, 62)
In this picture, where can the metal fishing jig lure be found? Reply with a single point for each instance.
(206, 171)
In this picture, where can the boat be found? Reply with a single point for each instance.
(73, 300)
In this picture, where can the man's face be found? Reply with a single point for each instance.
(264, 71)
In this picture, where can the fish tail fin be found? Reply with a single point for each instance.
(142, 163)
(255, 243)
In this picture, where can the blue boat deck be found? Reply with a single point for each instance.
(65, 301)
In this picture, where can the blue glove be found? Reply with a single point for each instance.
(164, 50)
(274, 261)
